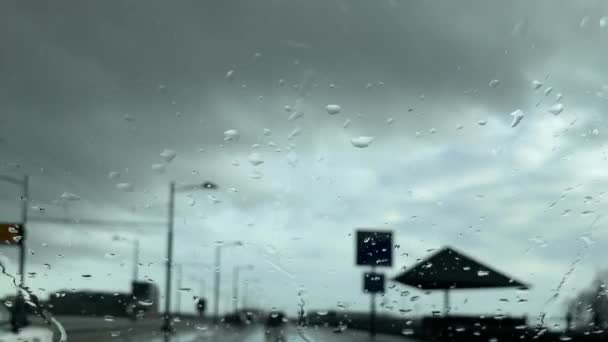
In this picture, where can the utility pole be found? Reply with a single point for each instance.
(245, 290)
(18, 313)
(372, 312)
(235, 289)
(218, 270)
(180, 277)
(24, 207)
(235, 285)
(135, 260)
(167, 317)
(203, 289)
(166, 327)
(216, 288)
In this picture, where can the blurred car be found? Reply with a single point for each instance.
(233, 319)
(275, 327)
(29, 334)
(249, 317)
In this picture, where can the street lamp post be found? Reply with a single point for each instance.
(203, 289)
(135, 242)
(245, 293)
(235, 285)
(172, 190)
(216, 288)
(180, 277)
(19, 316)
(246, 284)
(24, 206)
(135, 260)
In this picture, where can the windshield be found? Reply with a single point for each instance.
(321, 169)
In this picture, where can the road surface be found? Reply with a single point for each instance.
(249, 334)
(88, 329)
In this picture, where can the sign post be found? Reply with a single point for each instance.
(373, 283)
(12, 234)
(375, 249)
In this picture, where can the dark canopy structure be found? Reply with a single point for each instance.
(449, 269)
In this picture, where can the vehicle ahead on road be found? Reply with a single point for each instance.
(275, 327)
(233, 319)
(30, 334)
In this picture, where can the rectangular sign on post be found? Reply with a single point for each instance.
(373, 282)
(11, 234)
(374, 248)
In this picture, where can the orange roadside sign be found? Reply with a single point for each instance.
(11, 234)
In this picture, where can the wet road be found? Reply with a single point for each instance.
(251, 334)
(81, 329)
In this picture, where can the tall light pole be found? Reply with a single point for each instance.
(19, 315)
(180, 277)
(135, 260)
(235, 285)
(246, 290)
(203, 289)
(172, 190)
(180, 268)
(218, 270)
(135, 242)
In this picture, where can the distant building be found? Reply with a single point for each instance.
(89, 303)
(142, 301)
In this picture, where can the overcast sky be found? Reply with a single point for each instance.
(93, 92)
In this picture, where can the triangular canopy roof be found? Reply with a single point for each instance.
(450, 269)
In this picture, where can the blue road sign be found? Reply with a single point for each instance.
(374, 248)
(373, 282)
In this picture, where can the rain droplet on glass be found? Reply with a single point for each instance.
(517, 115)
(556, 109)
(168, 155)
(126, 187)
(67, 196)
(297, 131)
(362, 141)
(159, 167)
(255, 159)
(231, 135)
(333, 109)
(494, 83)
(295, 115)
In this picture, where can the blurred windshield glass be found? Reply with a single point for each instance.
(426, 165)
